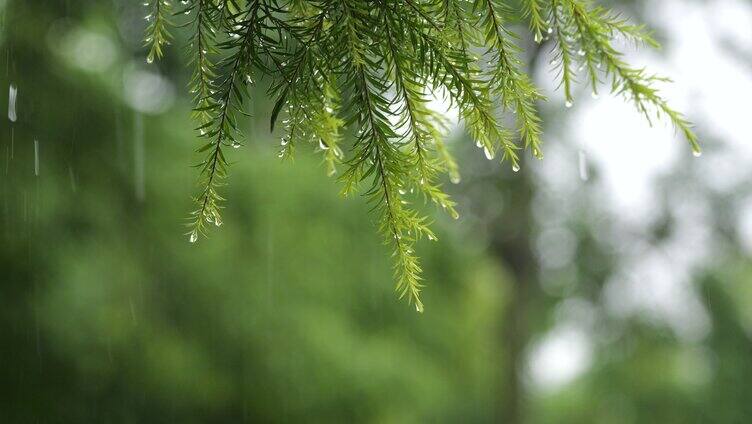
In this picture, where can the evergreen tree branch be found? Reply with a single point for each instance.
(157, 34)
(367, 68)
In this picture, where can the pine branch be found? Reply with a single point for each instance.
(637, 85)
(157, 34)
(353, 78)
(506, 80)
(201, 47)
(222, 130)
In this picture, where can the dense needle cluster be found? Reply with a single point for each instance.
(353, 79)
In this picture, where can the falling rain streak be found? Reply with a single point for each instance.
(584, 175)
(138, 157)
(12, 95)
(72, 177)
(36, 157)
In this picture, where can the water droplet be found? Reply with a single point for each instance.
(323, 145)
(431, 237)
(516, 167)
(584, 175)
(537, 153)
(550, 30)
(581, 52)
(455, 178)
(594, 95)
(235, 145)
(193, 237)
(696, 152)
(149, 59)
(568, 104)
(454, 214)
(490, 154)
(12, 95)
(538, 37)
(419, 307)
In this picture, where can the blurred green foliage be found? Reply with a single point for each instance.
(286, 314)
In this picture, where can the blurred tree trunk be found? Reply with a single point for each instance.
(511, 243)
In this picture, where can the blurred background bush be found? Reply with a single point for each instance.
(608, 283)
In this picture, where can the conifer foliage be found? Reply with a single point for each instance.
(353, 78)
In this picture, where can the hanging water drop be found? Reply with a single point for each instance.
(193, 237)
(569, 104)
(455, 178)
(323, 145)
(581, 52)
(431, 237)
(538, 37)
(594, 95)
(490, 154)
(696, 152)
(12, 95)
(235, 145)
(149, 59)
(516, 167)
